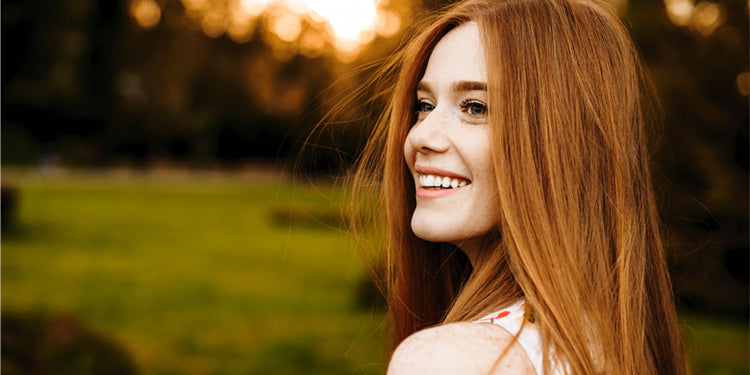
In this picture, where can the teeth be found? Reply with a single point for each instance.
(429, 181)
(432, 181)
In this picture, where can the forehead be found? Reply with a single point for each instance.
(458, 56)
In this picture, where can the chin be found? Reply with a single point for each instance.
(455, 231)
(435, 231)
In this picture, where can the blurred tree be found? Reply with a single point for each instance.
(698, 63)
(136, 81)
(51, 80)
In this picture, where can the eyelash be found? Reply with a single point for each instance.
(419, 107)
(466, 104)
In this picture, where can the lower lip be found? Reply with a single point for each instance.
(436, 193)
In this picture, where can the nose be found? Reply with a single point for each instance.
(429, 135)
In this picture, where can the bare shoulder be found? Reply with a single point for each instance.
(460, 348)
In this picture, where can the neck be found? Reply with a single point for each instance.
(475, 247)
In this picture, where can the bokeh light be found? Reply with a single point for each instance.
(349, 20)
(743, 83)
(213, 24)
(311, 25)
(704, 17)
(708, 17)
(286, 26)
(240, 28)
(388, 24)
(147, 13)
(254, 7)
(680, 11)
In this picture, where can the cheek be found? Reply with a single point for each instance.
(479, 155)
(484, 172)
(487, 169)
(408, 152)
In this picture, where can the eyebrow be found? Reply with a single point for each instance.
(458, 86)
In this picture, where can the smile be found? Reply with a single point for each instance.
(430, 181)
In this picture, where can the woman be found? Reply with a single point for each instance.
(516, 191)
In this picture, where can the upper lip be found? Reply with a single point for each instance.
(426, 169)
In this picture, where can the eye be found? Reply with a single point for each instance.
(424, 106)
(474, 108)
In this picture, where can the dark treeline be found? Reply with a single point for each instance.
(83, 84)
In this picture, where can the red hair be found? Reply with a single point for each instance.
(577, 216)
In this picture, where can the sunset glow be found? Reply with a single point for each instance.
(349, 19)
(311, 26)
(146, 13)
(680, 11)
(708, 17)
(704, 17)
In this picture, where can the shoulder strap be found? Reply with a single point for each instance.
(512, 320)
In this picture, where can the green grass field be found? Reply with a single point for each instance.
(192, 275)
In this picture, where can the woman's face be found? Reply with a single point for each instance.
(448, 149)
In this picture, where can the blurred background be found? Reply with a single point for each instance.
(152, 222)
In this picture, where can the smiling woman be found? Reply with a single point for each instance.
(522, 233)
(448, 149)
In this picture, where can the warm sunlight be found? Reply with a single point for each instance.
(308, 26)
(349, 20)
(708, 17)
(680, 11)
(704, 17)
(146, 13)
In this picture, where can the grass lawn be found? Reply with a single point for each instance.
(193, 275)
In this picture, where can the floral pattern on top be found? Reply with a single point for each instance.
(513, 319)
(501, 314)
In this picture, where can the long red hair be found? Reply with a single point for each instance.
(577, 216)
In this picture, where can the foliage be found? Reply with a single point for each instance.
(716, 346)
(36, 344)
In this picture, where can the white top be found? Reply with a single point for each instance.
(512, 320)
